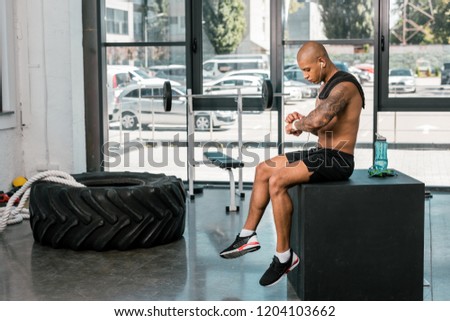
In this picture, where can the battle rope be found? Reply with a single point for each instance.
(15, 214)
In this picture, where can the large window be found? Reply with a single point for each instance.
(397, 49)
(145, 46)
(236, 55)
(419, 144)
(415, 55)
(414, 89)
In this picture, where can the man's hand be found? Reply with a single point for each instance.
(290, 118)
(293, 116)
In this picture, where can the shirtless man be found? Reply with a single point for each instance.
(335, 121)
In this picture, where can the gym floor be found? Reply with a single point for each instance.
(188, 269)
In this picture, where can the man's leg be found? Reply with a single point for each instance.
(259, 199)
(260, 196)
(279, 183)
(285, 259)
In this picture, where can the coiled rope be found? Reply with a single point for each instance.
(15, 214)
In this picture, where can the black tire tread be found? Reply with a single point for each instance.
(116, 210)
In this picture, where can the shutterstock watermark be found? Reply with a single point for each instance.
(135, 153)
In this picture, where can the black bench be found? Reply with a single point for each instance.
(361, 239)
(223, 161)
(228, 163)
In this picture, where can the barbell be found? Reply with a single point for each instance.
(266, 96)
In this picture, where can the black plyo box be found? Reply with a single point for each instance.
(360, 239)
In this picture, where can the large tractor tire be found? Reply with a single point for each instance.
(116, 210)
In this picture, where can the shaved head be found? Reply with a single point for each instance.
(313, 60)
(312, 50)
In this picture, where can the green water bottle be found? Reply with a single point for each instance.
(381, 145)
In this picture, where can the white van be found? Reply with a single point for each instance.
(218, 66)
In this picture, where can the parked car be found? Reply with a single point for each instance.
(229, 85)
(218, 66)
(120, 76)
(296, 90)
(136, 106)
(362, 75)
(370, 68)
(445, 74)
(401, 80)
(263, 58)
(294, 77)
(262, 73)
(171, 72)
(341, 65)
(290, 66)
(423, 67)
(294, 73)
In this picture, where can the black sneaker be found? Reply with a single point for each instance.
(241, 246)
(276, 270)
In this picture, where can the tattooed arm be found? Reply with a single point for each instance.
(324, 112)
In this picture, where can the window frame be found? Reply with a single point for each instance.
(392, 104)
(194, 61)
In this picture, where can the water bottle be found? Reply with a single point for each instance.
(381, 161)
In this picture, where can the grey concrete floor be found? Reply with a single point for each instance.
(188, 269)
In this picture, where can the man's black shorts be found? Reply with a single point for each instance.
(326, 164)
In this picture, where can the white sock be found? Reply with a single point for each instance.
(245, 232)
(284, 256)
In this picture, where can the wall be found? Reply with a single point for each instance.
(11, 164)
(48, 132)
